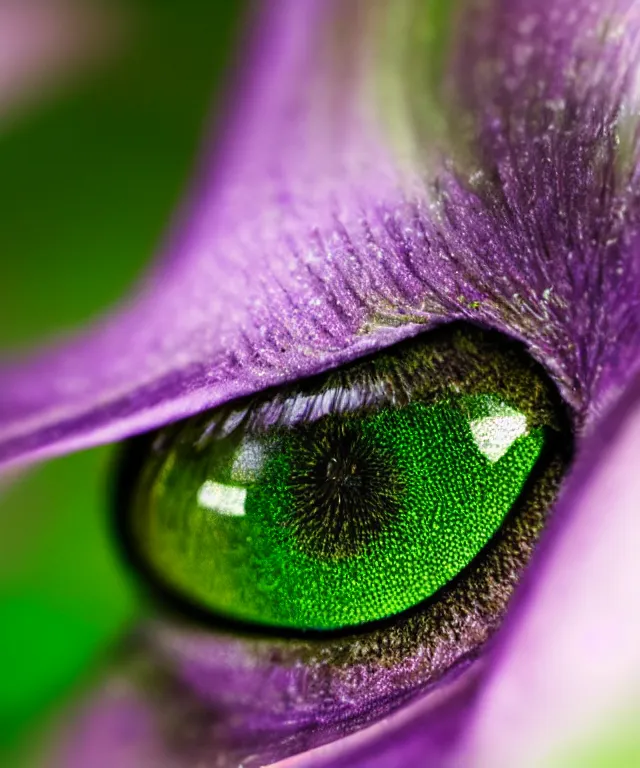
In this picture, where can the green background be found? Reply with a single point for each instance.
(88, 182)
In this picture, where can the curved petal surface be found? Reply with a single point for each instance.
(569, 664)
(317, 231)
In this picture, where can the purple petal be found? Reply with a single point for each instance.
(570, 662)
(262, 283)
(117, 730)
(304, 244)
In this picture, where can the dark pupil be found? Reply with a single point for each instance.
(346, 491)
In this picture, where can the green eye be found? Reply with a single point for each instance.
(350, 497)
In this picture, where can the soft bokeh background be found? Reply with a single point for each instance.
(90, 175)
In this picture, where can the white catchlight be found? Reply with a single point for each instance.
(495, 434)
(224, 499)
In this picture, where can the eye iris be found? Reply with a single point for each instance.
(330, 521)
(373, 514)
(344, 490)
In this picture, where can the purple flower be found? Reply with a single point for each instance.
(387, 167)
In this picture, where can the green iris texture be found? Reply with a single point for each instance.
(350, 497)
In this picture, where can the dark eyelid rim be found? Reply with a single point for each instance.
(130, 459)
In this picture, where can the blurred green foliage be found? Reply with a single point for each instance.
(89, 181)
